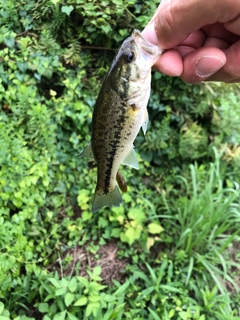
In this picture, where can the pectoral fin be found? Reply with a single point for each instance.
(131, 159)
(145, 122)
(87, 152)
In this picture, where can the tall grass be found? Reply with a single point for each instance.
(207, 221)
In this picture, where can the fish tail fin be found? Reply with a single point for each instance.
(112, 198)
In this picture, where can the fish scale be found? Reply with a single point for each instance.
(116, 131)
(119, 113)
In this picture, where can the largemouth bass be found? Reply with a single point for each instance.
(119, 113)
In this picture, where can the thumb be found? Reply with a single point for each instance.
(175, 20)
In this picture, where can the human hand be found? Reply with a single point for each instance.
(201, 39)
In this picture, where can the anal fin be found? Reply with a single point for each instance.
(131, 159)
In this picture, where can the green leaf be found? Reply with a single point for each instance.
(43, 307)
(183, 315)
(122, 289)
(83, 280)
(72, 286)
(6, 262)
(116, 232)
(22, 66)
(95, 287)
(60, 291)
(137, 214)
(155, 228)
(106, 28)
(86, 216)
(68, 299)
(171, 313)
(81, 302)
(170, 288)
(145, 293)
(154, 314)
(53, 308)
(118, 2)
(97, 271)
(9, 41)
(71, 316)
(60, 304)
(60, 315)
(132, 234)
(94, 298)
(108, 297)
(89, 310)
(55, 282)
(92, 308)
(1, 307)
(67, 9)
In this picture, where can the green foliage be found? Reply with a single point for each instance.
(76, 297)
(177, 234)
(4, 314)
(207, 217)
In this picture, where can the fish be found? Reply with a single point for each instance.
(119, 113)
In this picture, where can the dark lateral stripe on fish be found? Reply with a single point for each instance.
(115, 146)
(109, 168)
(107, 179)
(125, 84)
(108, 171)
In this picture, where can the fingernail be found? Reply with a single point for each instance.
(206, 66)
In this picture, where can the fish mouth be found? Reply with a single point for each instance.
(145, 44)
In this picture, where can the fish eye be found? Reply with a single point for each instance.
(129, 57)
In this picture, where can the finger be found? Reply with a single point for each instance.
(175, 20)
(231, 70)
(149, 33)
(234, 24)
(218, 30)
(196, 39)
(234, 81)
(170, 63)
(184, 50)
(188, 45)
(202, 63)
(217, 43)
